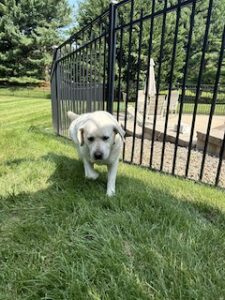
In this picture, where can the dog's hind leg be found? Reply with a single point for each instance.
(89, 170)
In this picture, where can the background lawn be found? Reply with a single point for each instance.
(204, 109)
(62, 238)
(30, 92)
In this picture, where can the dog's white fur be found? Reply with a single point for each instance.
(98, 138)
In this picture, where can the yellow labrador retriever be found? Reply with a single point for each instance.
(98, 138)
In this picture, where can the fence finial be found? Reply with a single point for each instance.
(113, 1)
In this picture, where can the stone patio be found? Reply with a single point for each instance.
(201, 123)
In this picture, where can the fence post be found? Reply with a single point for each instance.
(111, 57)
(54, 92)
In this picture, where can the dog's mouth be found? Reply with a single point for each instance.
(98, 160)
(94, 160)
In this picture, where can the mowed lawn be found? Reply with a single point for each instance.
(61, 238)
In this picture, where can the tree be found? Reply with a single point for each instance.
(89, 9)
(28, 30)
(214, 41)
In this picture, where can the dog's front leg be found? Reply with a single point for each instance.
(112, 171)
(89, 170)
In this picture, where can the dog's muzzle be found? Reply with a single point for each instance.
(98, 155)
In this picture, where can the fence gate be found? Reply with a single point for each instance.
(107, 66)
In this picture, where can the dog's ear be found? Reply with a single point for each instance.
(80, 136)
(118, 129)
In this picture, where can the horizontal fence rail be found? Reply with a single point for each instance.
(159, 68)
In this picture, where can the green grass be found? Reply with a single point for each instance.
(28, 92)
(206, 95)
(61, 238)
(204, 109)
(188, 108)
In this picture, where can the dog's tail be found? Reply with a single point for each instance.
(72, 116)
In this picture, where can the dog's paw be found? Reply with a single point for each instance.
(93, 175)
(110, 192)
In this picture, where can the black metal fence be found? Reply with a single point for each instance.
(106, 66)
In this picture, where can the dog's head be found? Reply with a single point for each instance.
(99, 134)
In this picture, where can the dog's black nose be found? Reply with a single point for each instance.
(98, 155)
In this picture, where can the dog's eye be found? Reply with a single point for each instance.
(91, 139)
(105, 138)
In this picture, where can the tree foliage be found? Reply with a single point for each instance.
(89, 9)
(28, 30)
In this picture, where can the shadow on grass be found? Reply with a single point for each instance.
(71, 228)
(68, 187)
